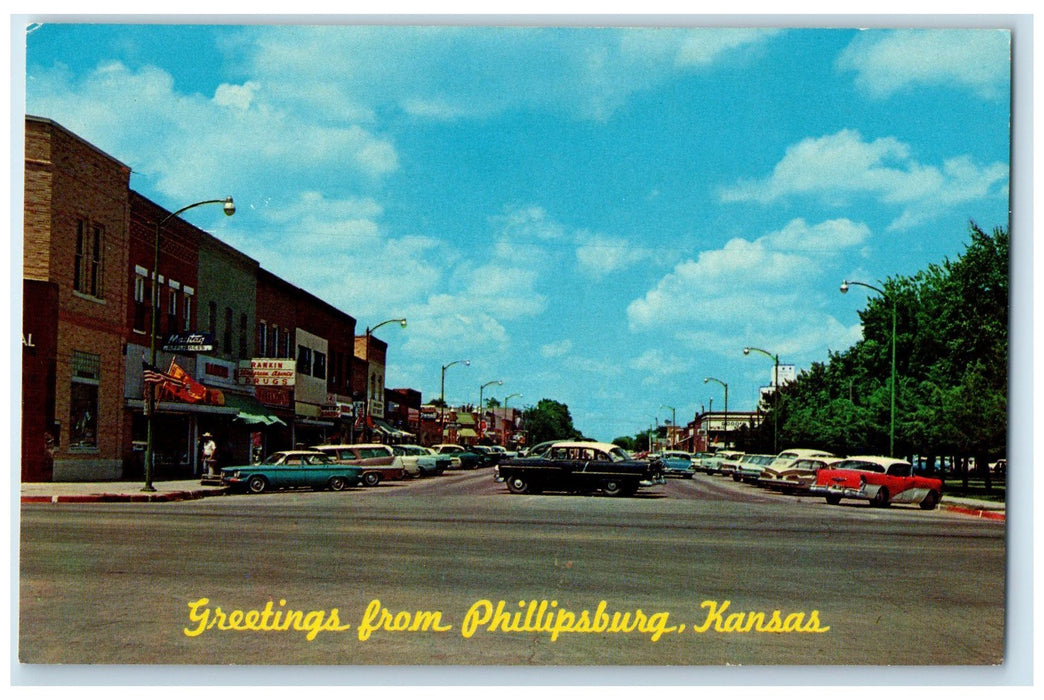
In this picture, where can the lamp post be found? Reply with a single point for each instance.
(506, 399)
(442, 391)
(369, 389)
(775, 394)
(674, 423)
(712, 379)
(230, 208)
(845, 284)
(482, 409)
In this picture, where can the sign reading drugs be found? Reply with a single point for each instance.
(262, 371)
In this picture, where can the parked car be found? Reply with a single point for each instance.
(376, 460)
(417, 461)
(730, 466)
(880, 480)
(699, 459)
(799, 476)
(579, 466)
(488, 456)
(785, 459)
(712, 465)
(539, 449)
(291, 469)
(751, 466)
(677, 463)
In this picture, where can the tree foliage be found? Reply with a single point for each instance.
(951, 366)
(549, 420)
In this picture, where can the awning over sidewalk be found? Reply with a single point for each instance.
(251, 411)
(389, 430)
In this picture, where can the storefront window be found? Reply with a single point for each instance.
(83, 400)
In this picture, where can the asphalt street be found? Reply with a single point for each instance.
(454, 570)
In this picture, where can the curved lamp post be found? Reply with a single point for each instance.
(369, 334)
(712, 379)
(775, 394)
(442, 390)
(481, 408)
(674, 421)
(845, 284)
(506, 399)
(230, 208)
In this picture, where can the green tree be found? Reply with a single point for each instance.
(549, 420)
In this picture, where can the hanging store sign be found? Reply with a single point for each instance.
(189, 342)
(268, 372)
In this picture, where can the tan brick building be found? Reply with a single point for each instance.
(75, 241)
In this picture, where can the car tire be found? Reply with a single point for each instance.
(613, 487)
(371, 478)
(881, 499)
(833, 500)
(257, 484)
(930, 501)
(517, 484)
(337, 483)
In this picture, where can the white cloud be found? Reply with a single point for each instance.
(844, 165)
(893, 61)
(655, 364)
(599, 255)
(556, 349)
(767, 287)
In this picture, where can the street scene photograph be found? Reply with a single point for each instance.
(660, 350)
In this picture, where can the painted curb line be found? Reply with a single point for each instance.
(124, 497)
(977, 512)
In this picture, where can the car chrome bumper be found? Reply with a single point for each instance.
(818, 490)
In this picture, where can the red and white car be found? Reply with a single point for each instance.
(880, 480)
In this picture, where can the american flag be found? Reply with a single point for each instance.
(150, 374)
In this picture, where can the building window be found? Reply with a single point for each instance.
(172, 309)
(304, 360)
(213, 320)
(262, 338)
(319, 365)
(243, 336)
(83, 400)
(272, 348)
(141, 309)
(186, 310)
(88, 263)
(227, 346)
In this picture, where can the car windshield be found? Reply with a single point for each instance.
(860, 465)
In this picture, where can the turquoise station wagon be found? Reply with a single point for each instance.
(292, 469)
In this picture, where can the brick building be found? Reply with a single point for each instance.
(91, 286)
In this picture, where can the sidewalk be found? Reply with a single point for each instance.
(186, 490)
(116, 491)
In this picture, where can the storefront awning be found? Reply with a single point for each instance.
(251, 411)
(389, 430)
(467, 432)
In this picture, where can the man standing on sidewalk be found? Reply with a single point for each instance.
(209, 456)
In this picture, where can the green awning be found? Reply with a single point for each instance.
(250, 410)
(466, 432)
(465, 419)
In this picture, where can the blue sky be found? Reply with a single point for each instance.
(601, 216)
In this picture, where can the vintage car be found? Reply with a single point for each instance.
(751, 466)
(785, 460)
(579, 467)
(376, 460)
(880, 480)
(730, 466)
(799, 476)
(417, 461)
(712, 465)
(465, 457)
(677, 463)
(292, 469)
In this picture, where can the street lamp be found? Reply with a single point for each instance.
(442, 390)
(481, 408)
(775, 394)
(506, 399)
(674, 422)
(891, 428)
(712, 379)
(230, 208)
(369, 389)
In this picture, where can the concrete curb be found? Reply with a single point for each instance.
(125, 497)
(976, 512)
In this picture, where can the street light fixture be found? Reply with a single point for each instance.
(674, 422)
(369, 389)
(712, 379)
(499, 382)
(442, 390)
(506, 399)
(229, 208)
(775, 394)
(891, 428)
